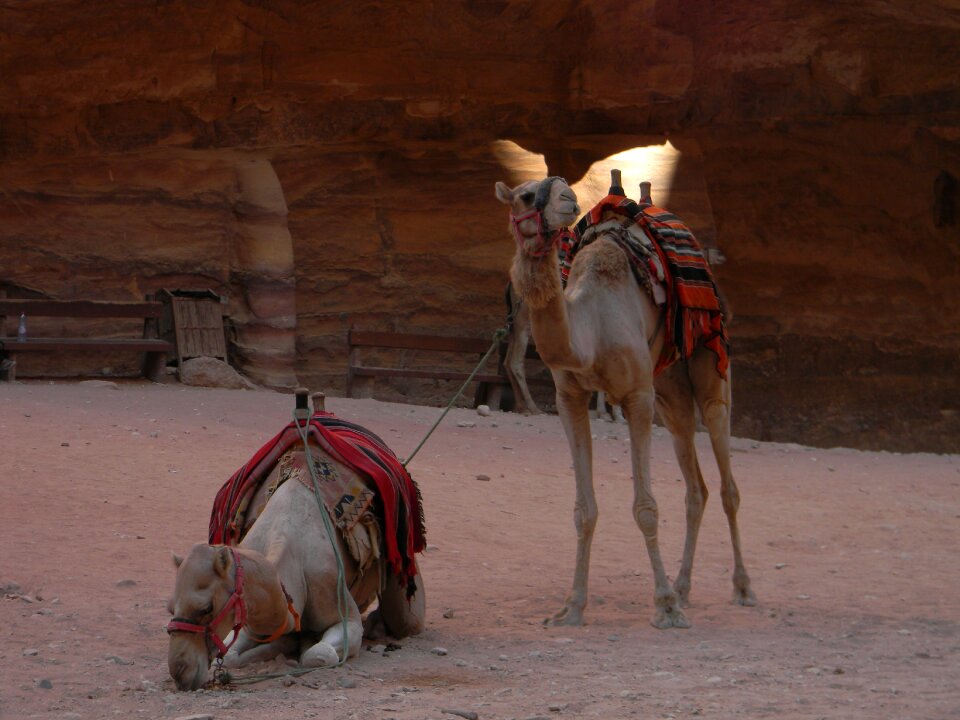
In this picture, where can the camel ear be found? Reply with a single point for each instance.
(504, 194)
(222, 561)
(177, 560)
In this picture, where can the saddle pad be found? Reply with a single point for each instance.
(395, 500)
(694, 310)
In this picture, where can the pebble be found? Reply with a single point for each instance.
(460, 663)
(780, 566)
(30, 652)
(289, 682)
(483, 410)
(449, 613)
(346, 682)
(202, 716)
(715, 679)
(118, 660)
(441, 651)
(483, 478)
(803, 597)
(466, 424)
(100, 383)
(377, 649)
(126, 583)
(45, 684)
(467, 714)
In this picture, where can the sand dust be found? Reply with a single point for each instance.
(853, 555)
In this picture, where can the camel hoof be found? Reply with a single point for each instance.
(744, 596)
(568, 616)
(232, 660)
(320, 655)
(670, 618)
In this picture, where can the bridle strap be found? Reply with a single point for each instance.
(539, 245)
(235, 603)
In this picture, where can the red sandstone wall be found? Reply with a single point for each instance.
(331, 163)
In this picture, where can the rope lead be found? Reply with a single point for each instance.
(498, 337)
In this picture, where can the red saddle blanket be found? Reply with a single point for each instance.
(694, 312)
(398, 504)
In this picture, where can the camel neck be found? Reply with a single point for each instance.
(266, 602)
(538, 282)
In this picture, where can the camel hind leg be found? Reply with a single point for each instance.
(402, 616)
(675, 402)
(713, 395)
(638, 410)
(513, 362)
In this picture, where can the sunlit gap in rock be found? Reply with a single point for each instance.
(654, 163)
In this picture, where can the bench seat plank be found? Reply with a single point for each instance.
(80, 308)
(13, 345)
(403, 341)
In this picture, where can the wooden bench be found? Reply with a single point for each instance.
(360, 377)
(155, 350)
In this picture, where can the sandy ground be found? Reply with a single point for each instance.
(853, 555)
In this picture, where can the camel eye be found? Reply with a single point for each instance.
(527, 198)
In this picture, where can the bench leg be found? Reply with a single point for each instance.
(154, 365)
(494, 394)
(361, 387)
(8, 367)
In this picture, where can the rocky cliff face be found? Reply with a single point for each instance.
(330, 164)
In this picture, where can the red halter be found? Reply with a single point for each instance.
(239, 615)
(544, 242)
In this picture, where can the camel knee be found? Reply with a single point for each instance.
(715, 413)
(646, 515)
(731, 498)
(585, 516)
(696, 500)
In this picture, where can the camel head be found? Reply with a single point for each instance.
(206, 580)
(539, 211)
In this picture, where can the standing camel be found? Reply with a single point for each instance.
(602, 333)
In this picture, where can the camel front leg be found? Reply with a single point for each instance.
(330, 649)
(573, 406)
(638, 410)
(246, 651)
